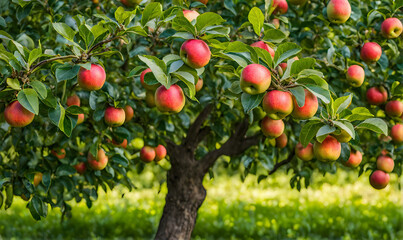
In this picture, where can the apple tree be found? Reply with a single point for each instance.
(302, 85)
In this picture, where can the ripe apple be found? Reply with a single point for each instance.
(308, 110)
(37, 178)
(264, 46)
(80, 118)
(394, 108)
(147, 154)
(199, 84)
(73, 100)
(272, 128)
(59, 153)
(377, 95)
(280, 6)
(371, 52)
(150, 99)
(397, 133)
(379, 179)
(276, 23)
(297, 2)
(385, 163)
(338, 11)
(130, 3)
(354, 159)
(283, 66)
(277, 104)
(327, 151)
(190, 15)
(170, 100)
(304, 153)
(123, 144)
(80, 168)
(281, 141)
(343, 137)
(17, 116)
(129, 113)
(92, 79)
(391, 28)
(160, 153)
(255, 79)
(144, 84)
(355, 75)
(137, 143)
(114, 117)
(195, 53)
(99, 162)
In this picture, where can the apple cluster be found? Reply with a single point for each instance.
(149, 154)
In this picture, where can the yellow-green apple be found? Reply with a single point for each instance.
(73, 100)
(355, 75)
(327, 151)
(264, 46)
(343, 136)
(354, 160)
(272, 128)
(59, 153)
(338, 11)
(297, 2)
(137, 143)
(195, 53)
(276, 23)
(377, 95)
(17, 116)
(92, 79)
(304, 153)
(160, 153)
(147, 154)
(280, 6)
(130, 3)
(99, 162)
(281, 141)
(277, 104)
(391, 28)
(394, 108)
(80, 168)
(190, 15)
(385, 163)
(371, 52)
(397, 133)
(199, 85)
(308, 110)
(114, 117)
(129, 113)
(379, 179)
(170, 100)
(150, 99)
(144, 84)
(37, 178)
(255, 79)
(80, 118)
(123, 144)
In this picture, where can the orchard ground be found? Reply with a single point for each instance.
(339, 206)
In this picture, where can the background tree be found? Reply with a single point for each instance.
(85, 85)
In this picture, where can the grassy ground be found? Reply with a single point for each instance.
(335, 207)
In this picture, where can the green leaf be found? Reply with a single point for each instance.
(98, 30)
(75, 110)
(28, 98)
(66, 72)
(274, 35)
(208, 19)
(342, 103)
(64, 30)
(284, 51)
(86, 34)
(13, 83)
(319, 92)
(323, 132)
(241, 60)
(302, 64)
(299, 94)
(375, 124)
(398, 4)
(346, 126)
(137, 30)
(136, 71)
(120, 160)
(65, 170)
(151, 11)
(190, 81)
(313, 80)
(181, 24)
(40, 89)
(264, 55)
(308, 131)
(249, 102)
(34, 55)
(310, 72)
(256, 18)
(158, 68)
(359, 113)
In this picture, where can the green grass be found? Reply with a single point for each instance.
(333, 208)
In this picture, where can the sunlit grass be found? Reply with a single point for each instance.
(338, 206)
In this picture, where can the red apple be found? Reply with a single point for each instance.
(80, 168)
(170, 100)
(379, 179)
(304, 153)
(385, 163)
(160, 153)
(397, 133)
(92, 79)
(147, 154)
(99, 162)
(276, 24)
(264, 46)
(114, 117)
(377, 95)
(17, 116)
(354, 160)
(371, 52)
(144, 84)
(394, 108)
(338, 11)
(123, 144)
(327, 151)
(129, 113)
(277, 104)
(59, 153)
(190, 15)
(281, 141)
(391, 28)
(195, 53)
(355, 75)
(280, 6)
(80, 118)
(272, 128)
(73, 100)
(199, 85)
(308, 110)
(255, 79)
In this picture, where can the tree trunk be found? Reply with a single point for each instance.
(185, 196)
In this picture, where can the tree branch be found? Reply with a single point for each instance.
(50, 60)
(101, 43)
(195, 135)
(282, 163)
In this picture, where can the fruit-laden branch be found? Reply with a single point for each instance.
(195, 133)
(234, 146)
(282, 163)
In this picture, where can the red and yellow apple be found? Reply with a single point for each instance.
(391, 28)
(304, 153)
(129, 113)
(281, 141)
(160, 153)
(338, 11)
(277, 104)
(199, 85)
(272, 128)
(385, 163)
(195, 53)
(394, 108)
(308, 110)
(80, 168)
(255, 79)
(73, 100)
(37, 178)
(396, 132)
(17, 116)
(276, 23)
(354, 160)
(327, 151)
(147, 154)
(92, 79)
(190, 15)
(59, 153)
(144, 84)
(170, 100)
(99, 162)
(122, 144)
(379, 179)
(114, 117)
(280, 6)
(377, 95)
(264, 46)
(355, 75)
(371, 52)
